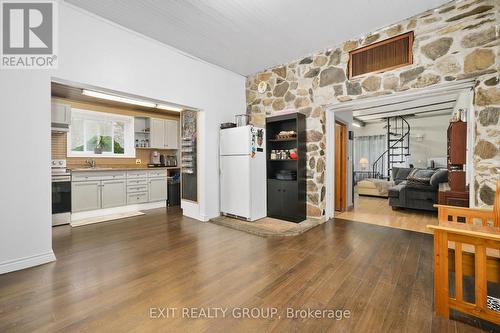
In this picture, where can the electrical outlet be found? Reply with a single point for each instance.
(138, 161)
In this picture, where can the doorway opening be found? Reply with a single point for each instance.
(114, 154)
(394, 143)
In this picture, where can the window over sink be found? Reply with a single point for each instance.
(98, 134)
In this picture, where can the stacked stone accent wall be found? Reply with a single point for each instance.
(458, 40)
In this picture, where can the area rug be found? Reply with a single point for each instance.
(267, 227)
(106, 218)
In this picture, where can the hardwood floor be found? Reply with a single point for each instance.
(109, 275)
(375, 210)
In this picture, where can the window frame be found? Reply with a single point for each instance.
(128, 133)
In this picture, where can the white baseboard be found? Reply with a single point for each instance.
(26, 262)
(76, 218)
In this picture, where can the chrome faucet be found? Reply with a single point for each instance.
(92, 163)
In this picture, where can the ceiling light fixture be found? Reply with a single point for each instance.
(169, 107)
(116, 98)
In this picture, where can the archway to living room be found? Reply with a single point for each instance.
(406, 152)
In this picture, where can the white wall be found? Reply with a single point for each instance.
(434, 141)
(25, 203)
(95, 52)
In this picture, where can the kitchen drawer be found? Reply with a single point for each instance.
(137, 174)
(137, 181)
(136, 198)
(157, 173)
(137, 188)
(92, 176)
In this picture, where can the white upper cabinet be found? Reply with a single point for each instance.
(157, 133)
(60, 116)
(164, 134)
(171, 134)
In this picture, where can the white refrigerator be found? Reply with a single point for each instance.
(243, 172)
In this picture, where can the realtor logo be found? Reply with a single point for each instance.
(28, 34)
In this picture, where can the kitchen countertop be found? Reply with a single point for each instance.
(98, 169)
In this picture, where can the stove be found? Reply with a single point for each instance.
(59, 168)
(61, 193)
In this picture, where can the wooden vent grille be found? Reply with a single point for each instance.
(382, 56)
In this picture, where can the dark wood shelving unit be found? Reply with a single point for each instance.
(283, 140)
(286, 199)
(455, 193)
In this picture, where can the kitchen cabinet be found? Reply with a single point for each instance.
(60, 117)
(157, 133)
(93, 190)
(157, 189)
(85, 195)
(171, 134)
(282, 197)
(61, 113)
(164, 134)
(113, 193)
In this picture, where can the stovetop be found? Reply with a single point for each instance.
(59, 168)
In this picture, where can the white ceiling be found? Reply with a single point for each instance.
(247, 36)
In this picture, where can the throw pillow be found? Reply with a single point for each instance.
(420, 176)
(401, 174)
(440, 176)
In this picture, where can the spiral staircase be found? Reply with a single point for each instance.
(398, 147)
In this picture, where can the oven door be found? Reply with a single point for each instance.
(61, 201)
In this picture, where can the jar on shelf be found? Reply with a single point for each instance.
(273, 155)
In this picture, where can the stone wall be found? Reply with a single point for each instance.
(456, 41)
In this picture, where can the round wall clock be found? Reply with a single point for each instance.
(262, 87)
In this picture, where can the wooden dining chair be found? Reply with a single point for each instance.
(487, 217)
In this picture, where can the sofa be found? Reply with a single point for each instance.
(416, 188)
(374, 187)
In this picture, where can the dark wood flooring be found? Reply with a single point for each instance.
(109, 275)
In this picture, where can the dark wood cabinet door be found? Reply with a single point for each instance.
(274, 198)
(290, 198)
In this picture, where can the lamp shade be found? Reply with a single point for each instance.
(363, 162)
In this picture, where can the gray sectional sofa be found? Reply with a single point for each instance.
(416, 188)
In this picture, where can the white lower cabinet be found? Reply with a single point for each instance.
(113, 193)
(108, 189)
(157, 189)
(85, 196)
(137, 198)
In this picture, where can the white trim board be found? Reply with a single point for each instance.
(27, 262)
(363, 106)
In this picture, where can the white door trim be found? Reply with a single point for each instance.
(400, 97)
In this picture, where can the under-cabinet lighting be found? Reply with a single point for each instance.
(356, 124)
(116, 98)
(169, 107)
